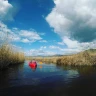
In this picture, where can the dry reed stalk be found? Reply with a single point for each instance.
(9, 56)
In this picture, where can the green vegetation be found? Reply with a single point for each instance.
(87, 57)
(9, 56)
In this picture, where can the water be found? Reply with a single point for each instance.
(47, 80)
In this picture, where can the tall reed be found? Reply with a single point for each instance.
(9, 56)
(83, 58)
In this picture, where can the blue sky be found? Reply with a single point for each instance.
(49, 27)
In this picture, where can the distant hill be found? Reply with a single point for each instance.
(56, 55)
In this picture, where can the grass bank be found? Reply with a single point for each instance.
(8, 55)
(81, 59)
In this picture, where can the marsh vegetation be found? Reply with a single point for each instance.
(8, 55)
(87, 57)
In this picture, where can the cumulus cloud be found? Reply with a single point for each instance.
(50, 51)
(43, 47)
(17, 35)
(7, 10)
(3, 32)
(25, 40)
(60, 43)
(7, 34)
(73, 44)
(42, 51)
(74, 19)
(69, 51)
(65, 51)
(39, 52)
(30, 36)
(70, 43)
(54, 47)
(44, 41)
(5, 7)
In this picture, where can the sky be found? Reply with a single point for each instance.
(48, 27)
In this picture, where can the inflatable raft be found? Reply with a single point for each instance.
(33, 64)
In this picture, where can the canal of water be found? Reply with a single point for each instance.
(47, 80)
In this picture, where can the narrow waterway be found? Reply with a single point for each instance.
(47, 80)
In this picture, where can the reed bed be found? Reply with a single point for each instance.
(80, 59)
(83, 58)
(9, 56)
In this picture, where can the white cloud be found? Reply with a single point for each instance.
(25, 40)
(3, 32)
(8, 34)
(59, 51)
(31, 36)
(74, 21)
(70, 43)
(60, 43)
(43, 47)
(7, 11)
(75, 45)
(65, 51)
(4, 8)
(16, 35)
(39, 52)
(43, 41)
(54, 47)
(69, 51)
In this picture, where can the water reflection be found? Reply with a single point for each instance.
(48, 80)
(13, 73)
(33, 68)
(40, 66)
(82, 70)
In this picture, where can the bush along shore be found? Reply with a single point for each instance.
(8, 55)
(86, 58)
